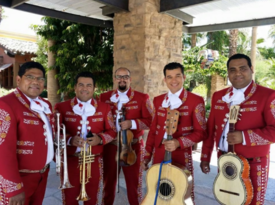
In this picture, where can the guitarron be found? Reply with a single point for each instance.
(232, 185)
(167, 183)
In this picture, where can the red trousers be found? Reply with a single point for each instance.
(259, 169)
(34, 187)
(94, 187)
(179, 156)
(132, 174)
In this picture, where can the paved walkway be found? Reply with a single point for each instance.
(203, 184)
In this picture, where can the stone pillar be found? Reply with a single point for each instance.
(144, 42)
(217, 83)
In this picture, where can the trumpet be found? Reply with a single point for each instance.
(85, 159)
(61, 148)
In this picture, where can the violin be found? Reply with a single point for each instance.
(127, 156)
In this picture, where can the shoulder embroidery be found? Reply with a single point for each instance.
(5, 123)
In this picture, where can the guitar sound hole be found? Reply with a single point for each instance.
(229, 171)
(165, 189)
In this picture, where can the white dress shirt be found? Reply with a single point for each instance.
(237, 98)
(41, 107)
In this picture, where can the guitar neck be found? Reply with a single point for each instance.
(168, 155)
(231, 129)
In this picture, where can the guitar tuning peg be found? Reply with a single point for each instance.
(240, 114)
(239, 118)
(227, 115)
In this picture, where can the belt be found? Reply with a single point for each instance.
(35, 171)
(135, 140)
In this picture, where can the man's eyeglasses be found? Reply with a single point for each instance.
(33, 78)
(124, 77)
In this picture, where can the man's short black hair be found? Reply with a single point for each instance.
(240, 56)
(172, 66)
(29, 65)
(85, 74)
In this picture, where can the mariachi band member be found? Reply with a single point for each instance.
(191, 124)
(26, 139)
(138, 118)
(254, 132)
(81, 116)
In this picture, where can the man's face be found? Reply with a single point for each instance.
(31, 83)
(174, 80)
(122, 79)
(84, 89)
(239, 73)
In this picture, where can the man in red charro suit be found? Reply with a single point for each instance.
(26, 139)
(191, 124)
(81, 115)
(254, 132)
(138, 118)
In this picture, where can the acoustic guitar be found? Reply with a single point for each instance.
(232, 185)
(167, 183)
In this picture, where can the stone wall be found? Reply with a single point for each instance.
(144, 42)
(217, 83)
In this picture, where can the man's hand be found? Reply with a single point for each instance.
(93, 141)
(235, 137)
(125, 125)
(77, 141)
(171, 145)
(144, 164)
(205, 168)
(18, 199)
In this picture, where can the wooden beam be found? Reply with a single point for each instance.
(16, 3)
(64, 16)
(109, 11)
(6, 3)
(120, 4)
(186, 18)
(168, 5)
(231, 25)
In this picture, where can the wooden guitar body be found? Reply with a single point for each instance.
(232, 186)
(174, 187)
